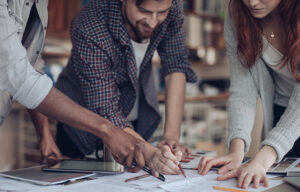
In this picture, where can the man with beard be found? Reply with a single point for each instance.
(23, 27)
(110, 73)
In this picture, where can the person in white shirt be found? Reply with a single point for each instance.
(22, 32)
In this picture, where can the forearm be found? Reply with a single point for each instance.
(237, 146)
(266, 156)
(61, 108)
(40, 122)
(133, 133)
(175, 95)
(285, 133)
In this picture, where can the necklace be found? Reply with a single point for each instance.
(272, 35)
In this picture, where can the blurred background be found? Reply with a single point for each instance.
(204, 124)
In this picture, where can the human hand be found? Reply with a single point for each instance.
(144, 153)
(255, 171)
(125, 147)
(251, 172)
(48, 148)
(229, 163)
(162, 160)
(176, 146)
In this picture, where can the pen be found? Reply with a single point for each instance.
(146, 169)
(182, 171)
(137, 178)
(228, 189)
(188, 168)
(211, 169)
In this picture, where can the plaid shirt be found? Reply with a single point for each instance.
(102, 75)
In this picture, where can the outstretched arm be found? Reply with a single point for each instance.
(175, 94)
(124, 146)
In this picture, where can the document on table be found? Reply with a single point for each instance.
(193, 163)
(206, 183)
(116, 183)
(148, 182)
(90, 186)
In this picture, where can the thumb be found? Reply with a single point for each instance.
(178, 155)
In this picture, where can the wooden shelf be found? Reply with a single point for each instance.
(58, 34)
(203, 15)
(56, 47)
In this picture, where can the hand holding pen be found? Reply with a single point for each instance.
(182, 171)
(175, 144)
(158, 161)
(147, 170)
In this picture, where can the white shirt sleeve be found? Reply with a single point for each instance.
(17, 76)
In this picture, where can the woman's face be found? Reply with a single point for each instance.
(261, 8)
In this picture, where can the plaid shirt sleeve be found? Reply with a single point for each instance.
(97, 81)
(172, 49)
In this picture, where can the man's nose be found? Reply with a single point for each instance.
(152, 22)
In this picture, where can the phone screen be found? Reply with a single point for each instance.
(86, 166)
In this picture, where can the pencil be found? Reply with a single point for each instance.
(182, 171)
(228, 189)
(185, 161)
(137, 178)
(189, 158)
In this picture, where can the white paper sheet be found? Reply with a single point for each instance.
(206, 183)
(194, 163)
(90, 186)
(148, 183)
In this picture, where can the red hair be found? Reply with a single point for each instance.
(249, 33)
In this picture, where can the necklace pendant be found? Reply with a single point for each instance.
(272, 35)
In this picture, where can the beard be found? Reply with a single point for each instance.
(137, 28)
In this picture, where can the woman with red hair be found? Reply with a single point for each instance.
(263, 46)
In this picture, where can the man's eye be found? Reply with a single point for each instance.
(145, 11)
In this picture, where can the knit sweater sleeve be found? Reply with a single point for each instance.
(283, 136)
(243, 92)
